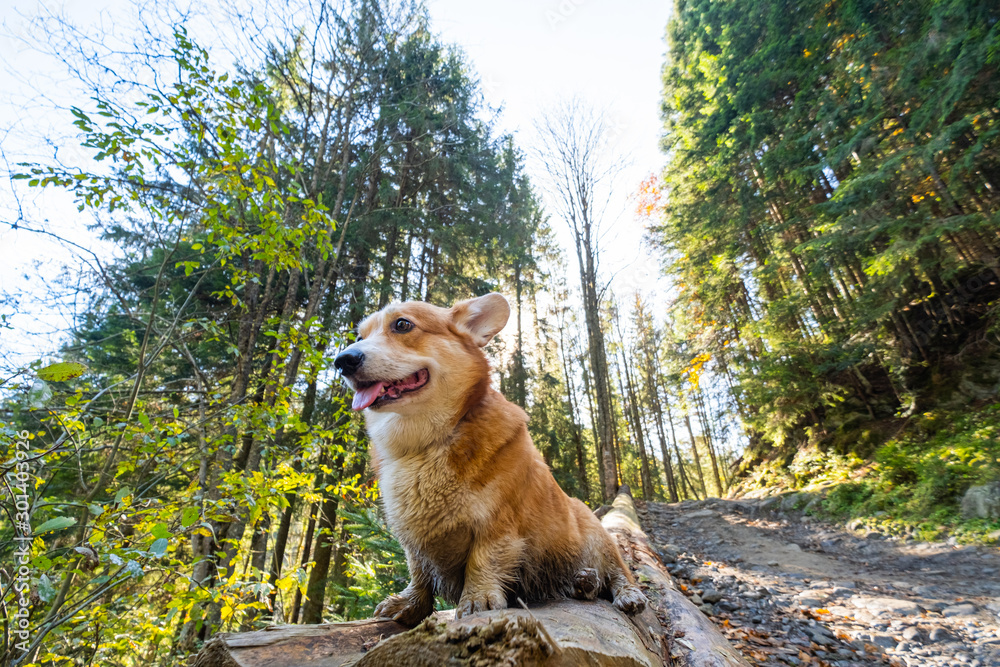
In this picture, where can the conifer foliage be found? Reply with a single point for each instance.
(831, 208)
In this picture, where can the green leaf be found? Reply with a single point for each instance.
(46, 590)
(159, 547)
(189, 516)
(61, 372)
(58, 523)
(122, 493)
(160, 530)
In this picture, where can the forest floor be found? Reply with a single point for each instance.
(790, 590)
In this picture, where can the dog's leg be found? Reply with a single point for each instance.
(415, 602)
(586, 584)
(626, 595)
(492, 565)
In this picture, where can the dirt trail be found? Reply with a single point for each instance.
(788, 590)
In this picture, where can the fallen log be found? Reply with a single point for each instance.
(671, 631)
(696, 642)
(321, 645)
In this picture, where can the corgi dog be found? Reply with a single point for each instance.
(470, 499)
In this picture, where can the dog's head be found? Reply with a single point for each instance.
(417, 357)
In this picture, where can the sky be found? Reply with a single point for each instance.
(532, 54)
(529, 56)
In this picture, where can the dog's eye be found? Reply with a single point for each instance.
(402, 325)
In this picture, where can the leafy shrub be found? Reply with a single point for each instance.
(917, 481)
(845, 498)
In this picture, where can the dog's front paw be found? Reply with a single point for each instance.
(586, 584)
(473, 602)
(630, 599)
(405, 609)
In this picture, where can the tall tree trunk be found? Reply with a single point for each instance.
(520, 392)
(280, 545)
(664, 452)
(312, 612)
(702, 410)
(339, 576)
(258, 561)
(385, 288)
(306, 547)
(598, 452)
(633, 417)
(646, 331)
(581, 461)
(404, 287)
(697, 456)
(686, 484)
(654, 466)
(291, 498)
(602, 388)
(574, 151)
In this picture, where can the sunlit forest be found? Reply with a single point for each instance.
(828, 222)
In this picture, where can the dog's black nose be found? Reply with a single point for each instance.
(349, 361)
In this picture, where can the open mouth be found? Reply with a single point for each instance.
(380, 392)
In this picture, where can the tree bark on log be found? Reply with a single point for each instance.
(670, 632)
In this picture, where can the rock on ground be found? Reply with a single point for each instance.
(982, 502)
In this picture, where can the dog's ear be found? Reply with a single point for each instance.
(482, 317)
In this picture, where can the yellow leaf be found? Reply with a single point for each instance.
(61, 372)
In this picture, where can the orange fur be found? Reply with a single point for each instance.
(466, 493)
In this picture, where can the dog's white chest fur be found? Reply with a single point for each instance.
(419, 489)
(427, 509)
(426, 504)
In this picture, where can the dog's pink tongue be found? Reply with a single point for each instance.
(365, 397)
